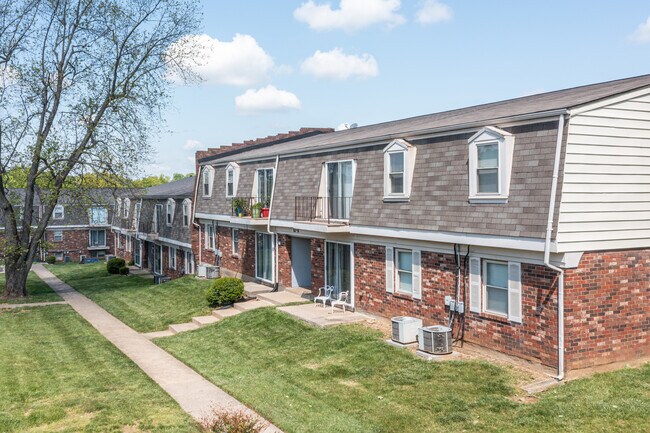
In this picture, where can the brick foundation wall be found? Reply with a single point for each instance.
(535, 338)
(607, 308)
(243, 262)
(75, 243)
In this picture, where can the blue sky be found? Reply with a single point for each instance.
(381, 60)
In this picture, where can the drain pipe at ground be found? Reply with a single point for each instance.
(547, 252)
(276, 273)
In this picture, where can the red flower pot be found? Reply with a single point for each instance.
(265, 212)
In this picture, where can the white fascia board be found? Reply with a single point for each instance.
(609, 101)
(175, 243)
(82, 226)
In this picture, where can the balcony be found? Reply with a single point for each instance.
(249, 210)
(324, 210)
(148, 230)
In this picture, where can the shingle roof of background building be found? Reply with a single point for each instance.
(180, 188)
(485, 113)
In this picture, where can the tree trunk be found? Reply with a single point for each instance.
(16, 271)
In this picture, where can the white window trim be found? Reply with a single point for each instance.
(478, 289)
(273, 256)
(505, 142)
(351, 302)
(187, 211)
(323, 190)
(255, 183)
(54, 236)
(234, 168)
(210, 237)
(235, 251)
(410, 152)
(98, 223)
(484, 288)
(136, 215)
(169, 216)
(209, 170)
(90, 237)
(397, 271)
(127, 205)
(54, 212)
(171, 257)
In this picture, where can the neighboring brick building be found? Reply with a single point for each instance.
(532, 212)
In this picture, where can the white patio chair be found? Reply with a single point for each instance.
(342, 300)
(324, 295)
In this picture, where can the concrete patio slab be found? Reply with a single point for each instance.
(33, 304)
(281, 298)
(183, 327)
(195, 395)
(205, 320)
(225, 312)
(323, 317)
(253, 304)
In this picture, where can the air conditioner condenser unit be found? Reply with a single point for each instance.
(436, 340)
(405, 329)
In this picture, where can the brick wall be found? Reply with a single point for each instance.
(535, 338)
(180, 260)
(284, 260)
(317, 264)
(607, 305)
(244, 261)
(75, 243)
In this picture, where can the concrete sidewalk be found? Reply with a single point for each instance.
(196, 396)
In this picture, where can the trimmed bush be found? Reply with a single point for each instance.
(225, 291)
(113, 266)
(50, 260)
(124, 270)
(131, 263)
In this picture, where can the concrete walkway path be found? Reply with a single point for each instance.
(194, 394)
(32, 304)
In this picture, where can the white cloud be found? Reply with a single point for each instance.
(266, 99)
(240, 62)
(351, 15)
(337, 65)
(433, 11)
(192, 144)
(642, 33)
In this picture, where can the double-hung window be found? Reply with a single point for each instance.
(59, 212)
(404, 265)
(172, 257)
(98, 238)
(396, 172)
(495, 275)
(98, 216)
(206, 181)
(495, 288)
(487, 168)
(399, 163)
(210, 241)
(170, 211)
(127, 205)
(186, 212)
(230, 182)
(136, 216)
(491, 152)
(235, 242)
(58, 235)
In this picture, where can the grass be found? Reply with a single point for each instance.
(58, 374)
(37, 291)
(346, 379)
(136, 301)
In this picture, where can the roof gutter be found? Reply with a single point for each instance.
(547, 251)
(405, 135)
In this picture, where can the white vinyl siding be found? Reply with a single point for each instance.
(605, 201)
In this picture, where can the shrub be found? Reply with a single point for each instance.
(50, 260)
(131, 263)
(233, 422)
(124, 270)
(113, 266)
(225, 291)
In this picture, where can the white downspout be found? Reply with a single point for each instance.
(276, 272)
(196, 188)
(547, 252)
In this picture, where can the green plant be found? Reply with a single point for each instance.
(50, 260)
(124, 270)
(241, 205)
(113, 266)
(131, 263)
(233, 422)
(225, 291)
(257, 209)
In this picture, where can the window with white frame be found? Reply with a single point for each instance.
(58, 235)
(98, 238)
(172, 257)
(171, 205)
(187, 207)
(206, 181)
(399, 162)
(235, 242)
(230, 182)
(128, 243)
(59, 212)
(495, 288)
(127, 206)
(136, 215)
(210, 241)
(490, 164)
(264, 181)
(98, 215)
(404, 271)
(118, 206)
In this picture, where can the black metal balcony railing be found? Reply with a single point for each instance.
(249, 207)
(322, 209)
(148, 227)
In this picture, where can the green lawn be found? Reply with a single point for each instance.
(37, 291)
(346, 379)
(57, 374)
(136, 301)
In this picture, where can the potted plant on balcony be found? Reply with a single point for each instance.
(239, 206)
(265, 207)
(257, 209)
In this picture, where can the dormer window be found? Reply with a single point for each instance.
(232, 177)
(58, 213)
(399, 162)
(490, 165)
(127, 205)
(187, 205)
(206, 181)
(171, 205)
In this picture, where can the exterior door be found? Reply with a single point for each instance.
(301, 262)
(338, 268)
(137, 259)
(264, 250)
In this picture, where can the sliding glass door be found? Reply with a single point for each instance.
(264, 185)
(338, 267)
(339, 189)
(137, 245)
(264, 249)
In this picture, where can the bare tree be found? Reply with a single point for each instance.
(82, 87)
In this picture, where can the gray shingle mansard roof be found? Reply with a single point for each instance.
(183, 188)
(454, 119)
